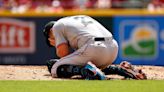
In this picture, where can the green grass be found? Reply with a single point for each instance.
(83, 86)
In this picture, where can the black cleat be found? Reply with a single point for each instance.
(50, 63)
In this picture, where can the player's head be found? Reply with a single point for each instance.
(48, 27)
(46, 31)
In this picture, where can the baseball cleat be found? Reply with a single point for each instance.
(92, 72)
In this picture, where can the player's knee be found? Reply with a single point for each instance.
(67, 71)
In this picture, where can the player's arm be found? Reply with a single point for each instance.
(61, 43)
(62, 50)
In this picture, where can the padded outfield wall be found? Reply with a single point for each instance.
(140, 35)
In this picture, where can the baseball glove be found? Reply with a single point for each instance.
(132, 72)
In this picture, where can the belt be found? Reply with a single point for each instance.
(103, 38)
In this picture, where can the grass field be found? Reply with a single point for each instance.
(83, 86)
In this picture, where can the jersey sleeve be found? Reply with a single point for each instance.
(58, 31)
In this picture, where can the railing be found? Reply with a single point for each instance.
(91, 12)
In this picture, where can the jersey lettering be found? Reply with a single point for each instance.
(84, 20)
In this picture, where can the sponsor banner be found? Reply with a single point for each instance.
(140, 39)
(16, 36)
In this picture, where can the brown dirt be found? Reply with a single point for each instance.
(15, 72)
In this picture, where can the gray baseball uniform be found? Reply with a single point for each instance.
(89, 38)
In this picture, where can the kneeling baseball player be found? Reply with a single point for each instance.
(95, 50)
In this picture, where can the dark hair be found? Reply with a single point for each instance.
(46, 31)
(47, 27)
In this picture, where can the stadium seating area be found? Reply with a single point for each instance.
(20, 6)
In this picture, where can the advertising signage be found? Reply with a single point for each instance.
(140, 39)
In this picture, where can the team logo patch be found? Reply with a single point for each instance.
(138, 40)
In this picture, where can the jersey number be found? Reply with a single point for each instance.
(84, 20)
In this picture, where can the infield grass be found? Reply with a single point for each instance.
(83, 86)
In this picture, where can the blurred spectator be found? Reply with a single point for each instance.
(103, 4)
(69, 4)
(43, 5)
(56, 5)
(90, 4)
(6, 4)
(20, 6)
(117, 3)
(134, 4)
(1, 5)
(155, 5)
(127, 3)
(81, 4)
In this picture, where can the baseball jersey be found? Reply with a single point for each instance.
(78, 30)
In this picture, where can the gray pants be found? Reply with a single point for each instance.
(100, 53)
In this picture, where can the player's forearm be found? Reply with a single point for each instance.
(62, 50)
(62, 53)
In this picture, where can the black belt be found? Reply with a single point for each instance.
(102, 38)
(99, 39)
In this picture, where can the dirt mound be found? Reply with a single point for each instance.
(15, 72)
